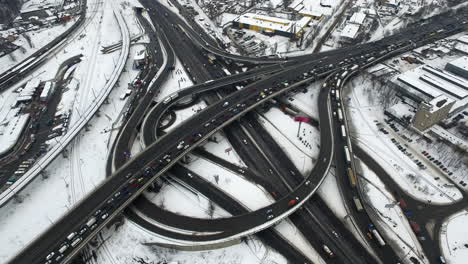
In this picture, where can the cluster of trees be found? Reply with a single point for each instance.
(9, 9)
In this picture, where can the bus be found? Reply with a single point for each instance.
(352, 177)
(340, 114)
(344, 74)
(343, 131)
(358, 204)
(377, 235)
(337, 95)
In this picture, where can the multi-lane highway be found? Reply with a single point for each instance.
(91, 214)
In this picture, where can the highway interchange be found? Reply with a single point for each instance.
(226, 106)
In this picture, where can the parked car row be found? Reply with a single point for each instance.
(437, 163)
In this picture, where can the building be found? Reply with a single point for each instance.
(47, 91)
(358, 18)
(431, 113)
(139, 60)
(272, 25)
(431, 82)
(458, 67)
(312, 14)
(326, 3)
(350, 33)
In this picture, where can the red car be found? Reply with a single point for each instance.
(292, 202)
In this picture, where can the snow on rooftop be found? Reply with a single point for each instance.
(299, 7)
(311, 13)
(275, 23)
(463, 48)
(454, 140)
(422, 80)
(358, 18)
(439, 102)
(400, 110)
(463, 39)
(350, 31)
(140, 55)
(461, 63)
(295, 3)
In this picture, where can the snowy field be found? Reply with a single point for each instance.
(454, 238)
(81, 168)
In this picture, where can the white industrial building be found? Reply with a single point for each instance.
(272, 25)
(358, 18)
(26, 93)
(427, 83)
(350, 32)
(353, 27)
(459, 67)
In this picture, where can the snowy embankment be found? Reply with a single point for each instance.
(454, 238)
(17, 226)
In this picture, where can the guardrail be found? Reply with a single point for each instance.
(80, 124)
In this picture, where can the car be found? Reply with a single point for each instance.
(269, 211)
(328, 251)
(292, 202)
(83, 230)
(225, 104)
(244, 141)
(270, 216)
(104, 216)
(50, 256)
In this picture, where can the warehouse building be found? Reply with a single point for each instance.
(459, 67)
(350, 33)
(272, 25)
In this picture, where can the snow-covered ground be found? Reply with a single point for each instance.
(81, 168)
(365, 108)
(39, 38)
(454, 238)
(393, 223)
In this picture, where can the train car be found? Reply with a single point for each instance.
(348, 156)
(358, 204)
(377, 235)
(352, 177)
(343, 131)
